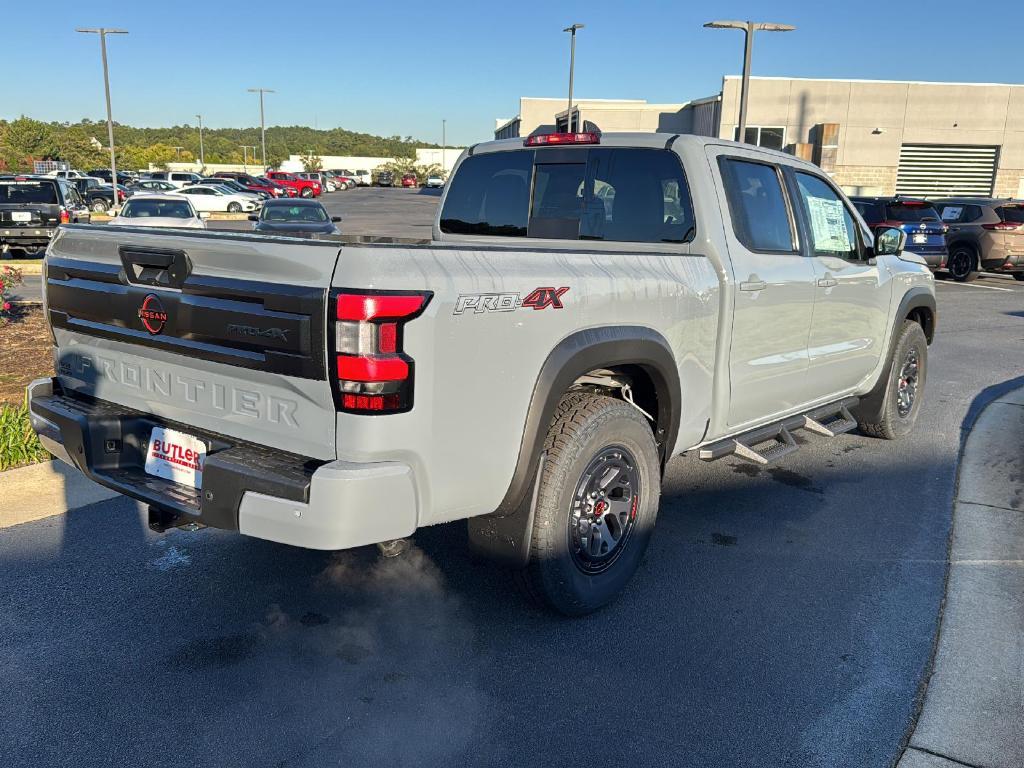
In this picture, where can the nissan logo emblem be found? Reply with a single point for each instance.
(152, 314)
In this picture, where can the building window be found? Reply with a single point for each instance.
(769, 137)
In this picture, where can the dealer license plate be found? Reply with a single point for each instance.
(920, 238)
(21, 215)
(176, 456)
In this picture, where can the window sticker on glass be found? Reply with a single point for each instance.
(952, 212)
(828, 225)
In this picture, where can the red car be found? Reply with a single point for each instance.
(304, 187)
(285, 191)
(409, 180)
(255, 184)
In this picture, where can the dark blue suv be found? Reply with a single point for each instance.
(926, 234)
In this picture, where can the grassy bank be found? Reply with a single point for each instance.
(18, 442)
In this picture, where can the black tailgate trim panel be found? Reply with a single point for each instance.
(251, 324)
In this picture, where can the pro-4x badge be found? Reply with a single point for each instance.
(538, 298)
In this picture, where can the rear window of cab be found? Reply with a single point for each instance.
(600, 193)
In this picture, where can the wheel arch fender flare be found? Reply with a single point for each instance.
(504, 535)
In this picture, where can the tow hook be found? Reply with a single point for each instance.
(393, 548)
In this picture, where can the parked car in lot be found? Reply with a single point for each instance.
(363, 178)
(319, 177)
(152, 185)
(728, 296)
(385, 179)
(254, 184)
(435, 182)
(304, 187)
(279, 190)
(341, 181)
(70, 174)
(237, 187)
(31, 208)
(926, 234)
(207, 197)
(177, 178)
(159, 211)
(410, 180)
(985, 234)
(123, 177)
(295, 217)
(99, 197)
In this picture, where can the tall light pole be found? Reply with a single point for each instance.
(177, 153)
(103, 32)
(202, 157)
(572, 66)
(748, 27)
(263, 130)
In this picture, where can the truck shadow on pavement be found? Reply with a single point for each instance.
(784, 614)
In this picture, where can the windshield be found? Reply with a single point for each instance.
(306, 213)
(912, 212)
(169, 209)
(28, 192)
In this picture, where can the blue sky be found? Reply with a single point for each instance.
(399, 67)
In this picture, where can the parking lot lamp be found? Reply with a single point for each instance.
(572, 66)
(748, 27)
(263, 129)
(103, 32)
(444, 146)
(202, 157)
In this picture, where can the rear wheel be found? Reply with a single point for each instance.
(596, 506)
(234, 207)
(890, 410)
(306, 192)
(963, 263)
(99, 206)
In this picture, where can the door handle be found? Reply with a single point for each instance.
(753, 285)
(827, 282)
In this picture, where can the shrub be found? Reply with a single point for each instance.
(9, 277)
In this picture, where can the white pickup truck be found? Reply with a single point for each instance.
(589, 307)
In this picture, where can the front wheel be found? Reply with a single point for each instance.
(890, 410)
(99, 206)
(963, 264)
(234, 207)
(306, 192)
(596, 506)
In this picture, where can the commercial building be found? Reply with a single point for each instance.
(608, 114)
(872, 136)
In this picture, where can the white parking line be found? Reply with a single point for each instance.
(975, 285)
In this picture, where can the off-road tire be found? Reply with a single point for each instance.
(962, 263)
(585, 427)
(879, 413)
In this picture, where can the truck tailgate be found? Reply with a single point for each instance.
(220, 331)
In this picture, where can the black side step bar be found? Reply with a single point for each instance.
(770, 443)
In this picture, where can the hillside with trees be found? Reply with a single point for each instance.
(82, 144)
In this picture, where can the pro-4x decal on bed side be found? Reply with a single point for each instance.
(538, 298)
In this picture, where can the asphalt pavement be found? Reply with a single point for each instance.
(783, 616)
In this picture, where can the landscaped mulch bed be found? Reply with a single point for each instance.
(25, 352)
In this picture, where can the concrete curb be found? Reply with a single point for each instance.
(44, 490)
(974, 705)
(35, 268)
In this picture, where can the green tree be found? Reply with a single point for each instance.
(312, 162)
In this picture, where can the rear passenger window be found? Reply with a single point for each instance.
(490, 195)
(833, 232)
(760, 218)
(557, 200)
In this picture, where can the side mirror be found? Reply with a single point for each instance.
(335, 219)
(890, 242)
(204, 214)
(253, 217)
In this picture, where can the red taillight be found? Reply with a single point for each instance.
(376, 306)
(374, 375)
(545, 139)
(1002, 226)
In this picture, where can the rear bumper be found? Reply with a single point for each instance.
(935, 258)
(19, 237)
(252, 489)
